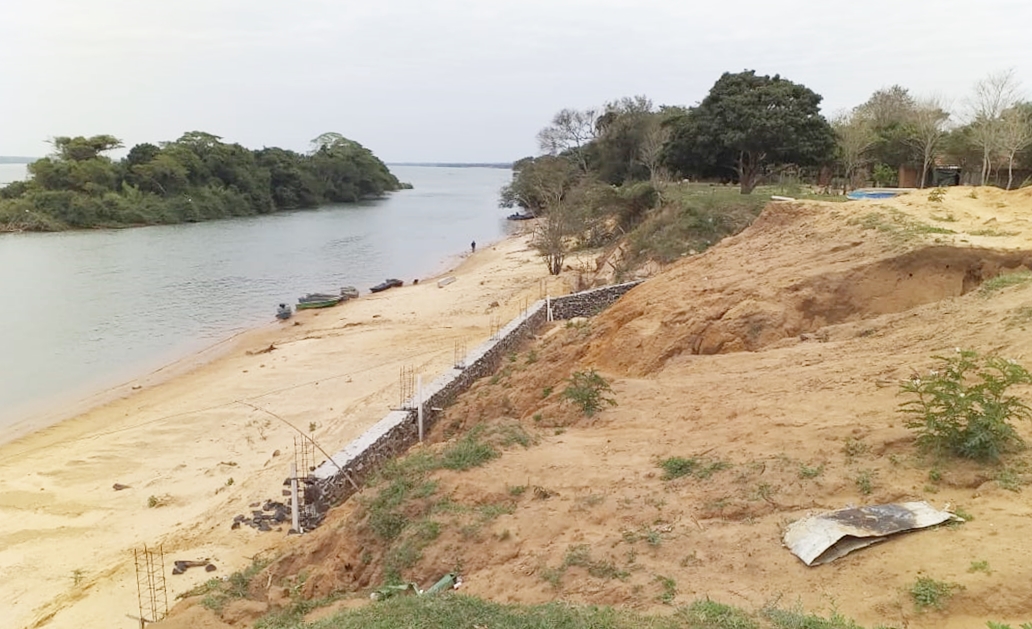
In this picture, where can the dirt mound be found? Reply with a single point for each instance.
(794, 272)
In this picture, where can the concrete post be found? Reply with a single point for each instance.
(419, 405)
(295, 515)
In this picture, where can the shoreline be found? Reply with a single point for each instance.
(203, 442)
(40, 415)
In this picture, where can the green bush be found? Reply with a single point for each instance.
(587, 390)
(928, 592)
(962, 407)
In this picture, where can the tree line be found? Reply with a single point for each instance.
(194, 178)
(600, 170)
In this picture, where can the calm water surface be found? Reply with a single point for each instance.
(87, 310)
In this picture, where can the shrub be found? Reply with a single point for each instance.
(677, 466)
(963, 407)
(587, 390)
(928, 592)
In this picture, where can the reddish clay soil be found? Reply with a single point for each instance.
(777, 355)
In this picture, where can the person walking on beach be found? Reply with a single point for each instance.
(473, 247)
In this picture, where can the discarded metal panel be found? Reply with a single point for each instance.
(819, 539)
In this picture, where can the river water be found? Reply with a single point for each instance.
(83, 311)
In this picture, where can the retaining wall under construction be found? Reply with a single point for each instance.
(343, 475)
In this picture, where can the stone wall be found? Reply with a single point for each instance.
(342, 475)
(590, 302)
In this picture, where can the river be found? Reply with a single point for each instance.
(87, 310)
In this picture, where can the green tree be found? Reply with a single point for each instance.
(537, 182)
(80, 148)
(751, 126)
(890, 113)
(614, 156)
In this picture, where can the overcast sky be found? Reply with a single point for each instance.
(457, 80)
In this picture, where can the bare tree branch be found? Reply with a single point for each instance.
(928, 128)
(571, 130)
(991, 97)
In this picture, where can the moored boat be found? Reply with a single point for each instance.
(316, 297)
(309, 301)
(382, 286)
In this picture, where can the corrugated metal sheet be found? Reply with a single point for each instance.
(819, 539)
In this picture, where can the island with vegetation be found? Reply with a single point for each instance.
(195, 178)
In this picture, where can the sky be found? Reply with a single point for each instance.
(458, 80)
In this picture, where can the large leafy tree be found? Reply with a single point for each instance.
(751, 126)
(890, 112)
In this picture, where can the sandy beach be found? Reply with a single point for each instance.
(204, 440)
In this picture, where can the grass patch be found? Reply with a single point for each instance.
(217, 592)
(1021, 317)
(676, 467)
(898, 226)
(794, 619)
(854, 448)
(692, 218)
(457, 610)
(980, 566)
(669, 589)
(1009, 478)
(402, 496)
(580, 556)
(468, 452)
(1004, 280)
(992, 233)
(864, 481)
(713, 615)
(806, 471)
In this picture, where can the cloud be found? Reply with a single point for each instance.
(455, 79)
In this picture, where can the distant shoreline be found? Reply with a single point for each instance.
(11, 159)
(501, 165)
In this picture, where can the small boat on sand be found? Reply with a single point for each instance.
(317, 297)
(315, 300)
(520, 216)
(382, 286)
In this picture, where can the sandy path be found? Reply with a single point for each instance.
(66, 536)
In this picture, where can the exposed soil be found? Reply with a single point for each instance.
(774, 360)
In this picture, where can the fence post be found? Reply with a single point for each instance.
(419, 404)
(295, 516)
